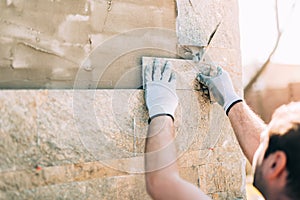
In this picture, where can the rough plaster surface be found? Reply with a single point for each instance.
(88, 150)
(43, 43)
(46, 44)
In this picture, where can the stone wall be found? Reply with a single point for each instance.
(87, 142)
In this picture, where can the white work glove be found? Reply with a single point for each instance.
(221, 87)
(160, 94)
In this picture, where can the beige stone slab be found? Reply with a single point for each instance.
(84, 134)
(186, 71)
(125, 123)
(106, 189)
(53, 175)
(80, 126)
(198, 19)
(126, 187)
(217, 176)
(129, 76)
(224, 186)
(18, 129)
(228, 33)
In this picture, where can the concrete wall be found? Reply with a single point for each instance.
(89, 144)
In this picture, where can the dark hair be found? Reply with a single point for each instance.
(290, 144)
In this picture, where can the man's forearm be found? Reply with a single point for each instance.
(160, 157)
(247, 127)
(160, 149)
(162, 176)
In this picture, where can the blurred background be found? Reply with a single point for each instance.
(270, 57)
(271, 62)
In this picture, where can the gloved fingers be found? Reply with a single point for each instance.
(156, 71)
(172, 79)
(219, 70)
(203, 79)
(166, 74)
(148, 74)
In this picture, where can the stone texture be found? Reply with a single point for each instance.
(86, 141)
(198, 19)
(187, 70)
(123, 187)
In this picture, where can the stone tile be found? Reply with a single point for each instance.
(18, 130)
(195, 28)
(61, 145)
(219, 181)
(45, 176)
(109, 126)
(228, 34)
(198, 19)
(185, 70)
(93, 189)
(80, 125)
(129, 76)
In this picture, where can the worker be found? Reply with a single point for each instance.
(273, 150)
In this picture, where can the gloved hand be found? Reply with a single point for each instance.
(221, 87)
(160, 94)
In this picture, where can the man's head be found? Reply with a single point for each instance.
(277, 160)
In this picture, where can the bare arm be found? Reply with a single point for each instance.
(162, 176)
(247, 127)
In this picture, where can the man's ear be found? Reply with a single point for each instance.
(276, 164)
